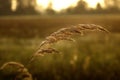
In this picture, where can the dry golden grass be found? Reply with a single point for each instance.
(45, 46)
(64, 34)
(20, 71)
(104, 54)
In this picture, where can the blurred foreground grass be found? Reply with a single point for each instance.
(91, 57)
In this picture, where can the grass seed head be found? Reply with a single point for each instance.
(65, 34)
(11, 64)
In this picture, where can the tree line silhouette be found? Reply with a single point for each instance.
(26, 7)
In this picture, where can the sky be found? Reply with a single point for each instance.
(58, 5)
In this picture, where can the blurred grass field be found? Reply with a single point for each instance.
(94, 56)
(41, 26)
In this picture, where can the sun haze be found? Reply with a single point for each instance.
(62, 4)
(93, 3)
(58, 5)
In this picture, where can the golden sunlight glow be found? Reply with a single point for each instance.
(14, 5)
(58, 5)
(42, 3)
(93, 3)
(62, 4)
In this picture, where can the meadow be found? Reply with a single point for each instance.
(94, 56)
